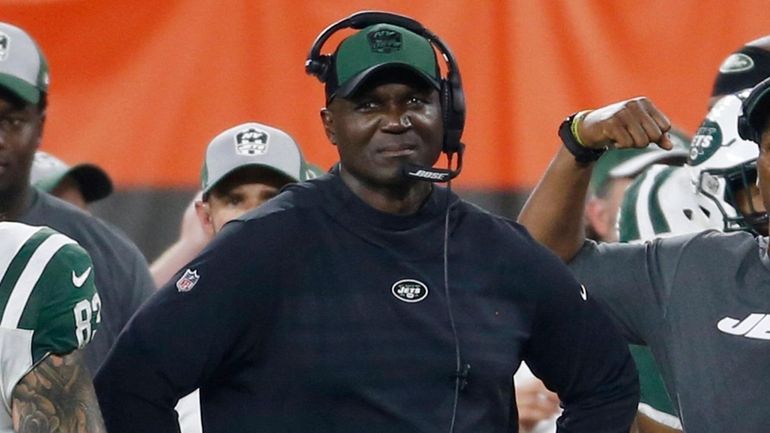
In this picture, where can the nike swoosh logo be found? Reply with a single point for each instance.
(79, 280)
(583, 293)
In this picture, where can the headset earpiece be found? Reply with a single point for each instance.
(319, 66)
(453, 106)
(752, 117)
(744, 129)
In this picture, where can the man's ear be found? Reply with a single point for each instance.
(327, 118)
(203, 211)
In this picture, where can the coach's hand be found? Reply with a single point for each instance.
(631, 123)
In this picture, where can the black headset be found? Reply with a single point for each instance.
(452, 97)
(751, 118)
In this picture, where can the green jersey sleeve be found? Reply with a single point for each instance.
(47, 290)
(48, 301)
(68, 306)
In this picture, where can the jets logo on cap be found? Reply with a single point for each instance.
(5, 43)
(384, 41)
(251, 142)
(737, 62)
(410, 291)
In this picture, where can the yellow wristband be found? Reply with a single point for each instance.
(567, 134)
(576, 124)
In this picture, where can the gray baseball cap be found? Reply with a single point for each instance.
(48, 171)
(251, 144)
(23, 68)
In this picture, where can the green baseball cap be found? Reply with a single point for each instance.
(619, 163)
(375, 48)
(48, 171)
(23, 68)
(251, 144)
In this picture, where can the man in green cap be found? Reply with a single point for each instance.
(368, 299)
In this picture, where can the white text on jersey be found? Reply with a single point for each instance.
(755, 325)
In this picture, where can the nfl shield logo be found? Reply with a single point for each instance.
(187, 281)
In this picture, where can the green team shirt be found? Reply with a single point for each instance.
(48, 302)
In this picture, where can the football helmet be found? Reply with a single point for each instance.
(722, 164)
(666, 201)
(661, 202)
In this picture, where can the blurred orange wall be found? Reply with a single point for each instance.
(140, 87)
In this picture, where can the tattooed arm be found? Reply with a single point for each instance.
(57, 396)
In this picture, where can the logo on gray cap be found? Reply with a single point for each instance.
(250, 142)
(5, 42)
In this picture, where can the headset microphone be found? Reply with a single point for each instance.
(431, 174)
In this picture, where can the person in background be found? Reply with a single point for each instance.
(244, 166)
(234, 180)
(80, 184)
(121, 272)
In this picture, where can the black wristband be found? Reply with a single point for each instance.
(581, 153)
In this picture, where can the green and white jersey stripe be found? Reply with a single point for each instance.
(661, 202)
(46, 245)
(641, 213)
(48, 302)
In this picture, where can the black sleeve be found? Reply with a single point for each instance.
(578, 353)
(191, 329)
(142, 285)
